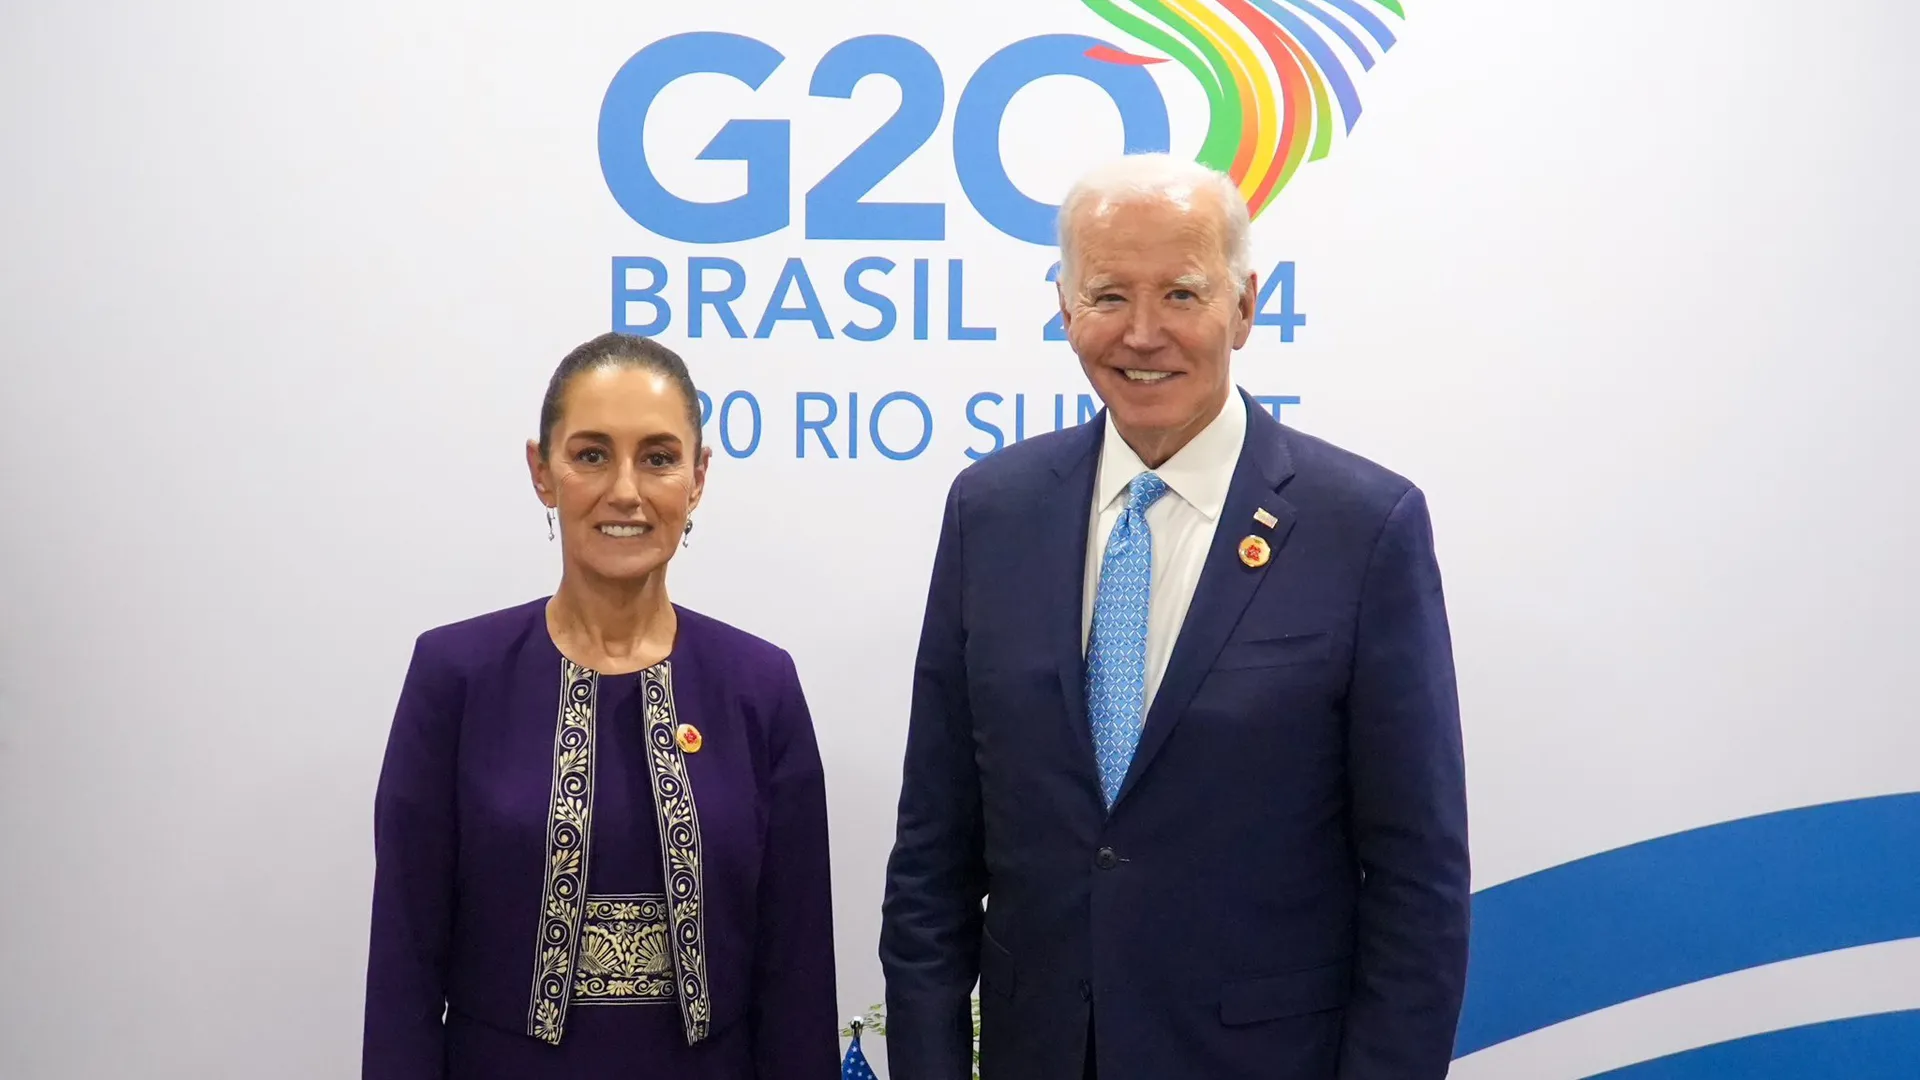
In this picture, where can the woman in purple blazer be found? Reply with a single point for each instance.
(601, 827)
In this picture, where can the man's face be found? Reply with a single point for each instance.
(1154, 315)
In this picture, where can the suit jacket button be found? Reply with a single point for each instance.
(1106, 859)
(1086, 991)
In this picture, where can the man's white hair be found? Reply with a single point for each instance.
(1146, 177)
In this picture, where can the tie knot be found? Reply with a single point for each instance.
(1145, 490)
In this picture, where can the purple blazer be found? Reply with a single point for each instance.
(592, 875)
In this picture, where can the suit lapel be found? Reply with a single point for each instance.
(1226, 584)
(1063, 565)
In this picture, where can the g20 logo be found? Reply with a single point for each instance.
(1275, 81)
(1273, 76)
(837, 207)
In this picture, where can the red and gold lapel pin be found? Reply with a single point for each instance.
(1255, 552)
(688, 737)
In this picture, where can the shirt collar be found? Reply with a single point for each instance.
(1199, 473)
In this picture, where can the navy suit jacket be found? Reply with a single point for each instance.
(1281, 888)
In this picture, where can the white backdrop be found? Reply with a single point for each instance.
(1626, 287)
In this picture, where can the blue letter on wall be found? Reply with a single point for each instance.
(764, 145)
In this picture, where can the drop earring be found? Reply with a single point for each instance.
(549, 524)
(686, 534)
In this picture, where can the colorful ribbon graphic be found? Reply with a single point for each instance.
(1270, 77)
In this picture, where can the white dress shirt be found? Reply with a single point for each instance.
(1182, 523)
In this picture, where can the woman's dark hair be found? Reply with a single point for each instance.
(617, 351)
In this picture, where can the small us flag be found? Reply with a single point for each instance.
(854, 1066)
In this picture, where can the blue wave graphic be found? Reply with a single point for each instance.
(1882, 1047)
(1616, 926)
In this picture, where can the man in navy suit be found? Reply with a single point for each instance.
(1183, 787)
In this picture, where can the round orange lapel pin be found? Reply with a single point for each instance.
(1255, 552)
(688, 737)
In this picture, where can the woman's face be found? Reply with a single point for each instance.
(622, 474)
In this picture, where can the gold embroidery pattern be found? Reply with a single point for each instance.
(569, 832)
(625, 958)
(679, 850)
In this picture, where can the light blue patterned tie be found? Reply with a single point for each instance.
(1117, 645)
